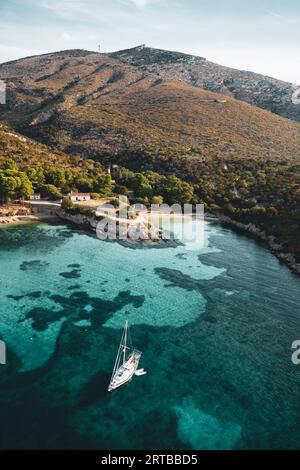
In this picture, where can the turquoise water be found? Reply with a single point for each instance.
(215, 325)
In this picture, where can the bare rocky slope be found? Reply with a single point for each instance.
(144, 99)
(260, 90)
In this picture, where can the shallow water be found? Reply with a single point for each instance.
(215, 325)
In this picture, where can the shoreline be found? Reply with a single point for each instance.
(18, 220)
(25, 219)
(89, 222)
(249, 229)
(255, 232)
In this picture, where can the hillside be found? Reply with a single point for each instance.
(260, 90)
(27, 166)
(91, 104)
(29, 153)
(237, 158)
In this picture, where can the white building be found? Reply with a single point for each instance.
(79, 197)
(35, 197)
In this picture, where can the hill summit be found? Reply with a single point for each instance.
(262, 91)
(94, 104)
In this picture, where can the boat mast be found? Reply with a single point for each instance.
(119, 355)
(125, 342)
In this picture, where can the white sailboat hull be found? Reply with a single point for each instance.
(125, 373)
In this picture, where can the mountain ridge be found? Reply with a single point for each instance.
(252, 87)
(263, 91)
(89, 103)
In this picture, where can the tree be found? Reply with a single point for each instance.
(55, 176)
(8, 186)
(157, 200)
(123, 175)
(272, 211)
(153, 177)
(84, 184)
(67, 204)
(24, 188)
(141, 185)
(229, 209)
(10, 164)
(120, 189)
(102, 185)
(174, 190)
(36, 176)
(51, 191)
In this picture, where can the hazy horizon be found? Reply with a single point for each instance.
(261, 37)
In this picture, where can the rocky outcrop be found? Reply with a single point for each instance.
(14, 210)
(42, 118)
(80, 220)
(142, 55)
(139, 231)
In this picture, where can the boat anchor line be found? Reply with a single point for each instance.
(127, 362)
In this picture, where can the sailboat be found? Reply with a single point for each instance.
(127, 361)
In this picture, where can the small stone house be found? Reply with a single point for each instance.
(79, 197)
(35, 197)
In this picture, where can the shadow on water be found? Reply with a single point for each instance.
(73, 308)
(95, 390)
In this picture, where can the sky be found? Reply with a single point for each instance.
(259, 35)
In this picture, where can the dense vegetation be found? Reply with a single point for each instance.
(13, 182)
(266, 193)
(151, 187)
(27, 167)
(244, 189)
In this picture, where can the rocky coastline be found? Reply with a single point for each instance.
(15, 214)
(157, 235)
(91, 223)
(256, 232)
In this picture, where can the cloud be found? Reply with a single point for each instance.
(251, 37)
(140, 3)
